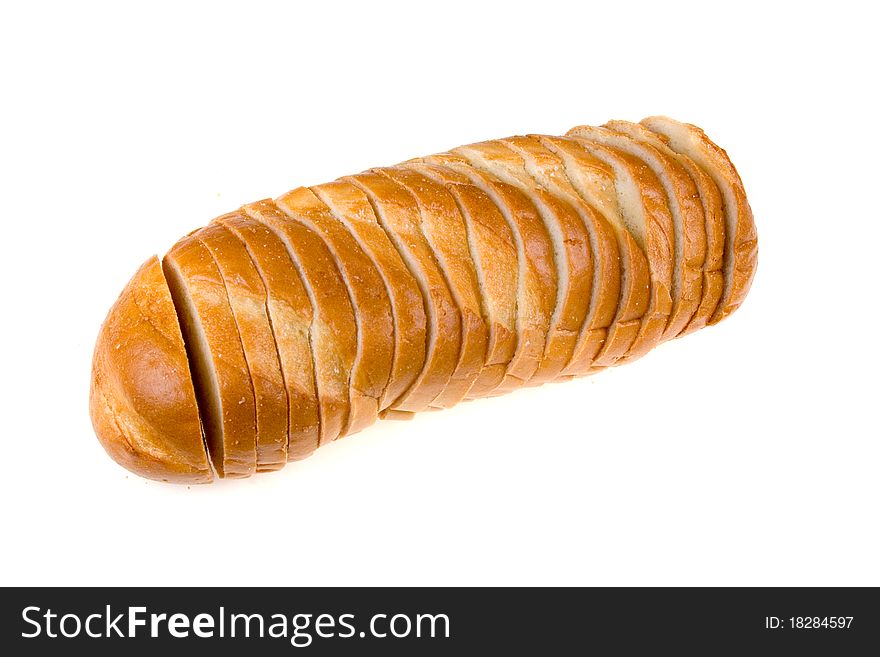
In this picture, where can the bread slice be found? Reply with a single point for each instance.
(740, 236)
(398, 214)
(444, 228)
(688, 222)
(247, 299)
(291, 314)
(648, 218)
(713, 213)
(350, 206)
(221, 375)
(567, 166)
(372, 307)
(537, 280)
(546, 170)
(142, 400)
(493, 250)
(341, 402)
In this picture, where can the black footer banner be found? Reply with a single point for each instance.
(427, 621)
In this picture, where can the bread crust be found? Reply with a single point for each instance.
(713, 213)
(741, 237)
(247, 299)
(493, 251)
(141, 400)
(398, 214)
(445, 230)
(291, 313)
(334, 331)
(225, 390)
(369, 298)
(594, 182)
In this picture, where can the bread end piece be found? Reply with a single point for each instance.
(142, 400)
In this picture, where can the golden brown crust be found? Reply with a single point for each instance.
(291, 313)
(444, 228)
(334, 330)
(372, 307)
(398, 214)
(352, 208)
(741, 237)
(247, 299)
(223, 382)
(142, 401)
(713, 214)
(493, 251)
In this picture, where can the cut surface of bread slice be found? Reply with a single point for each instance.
(493, 251)
(572, 255)
(372, 307)
(247, 299)
(352, 208)
(574, 169)
(142, 400)
(689, 224)
(291, 314)
(546, 170)
(334, 331)
(740, 237)
(444, 228)
(224, 388)
(649, 220)
(398, 214)
(713, 213)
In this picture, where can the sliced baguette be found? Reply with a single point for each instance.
(466, 274)
(142, 400)
(740, 236)
(223, 381)
(291, 314)
(247, 299)
(398, 214)
(334, 331)
(372, 307)
(493, 251)
(445, 230)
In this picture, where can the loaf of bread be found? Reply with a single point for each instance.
(290, 323)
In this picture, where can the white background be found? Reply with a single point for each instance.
(745, 454)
